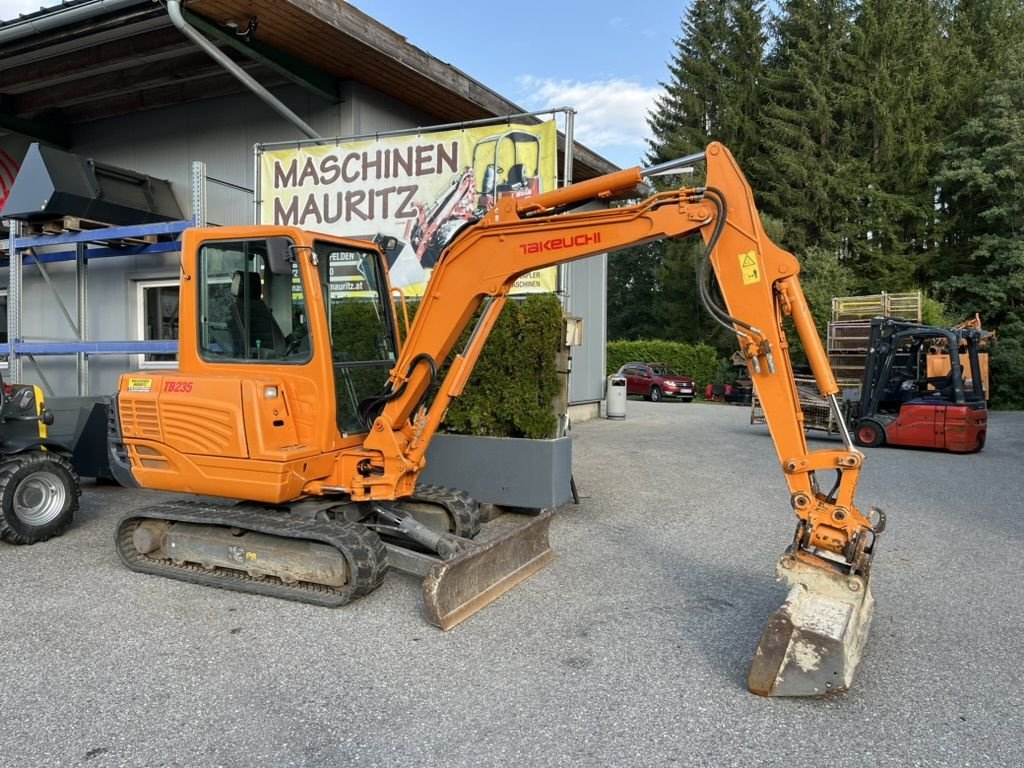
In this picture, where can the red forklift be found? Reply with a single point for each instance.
(900, 404)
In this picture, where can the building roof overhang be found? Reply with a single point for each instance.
(87, 60)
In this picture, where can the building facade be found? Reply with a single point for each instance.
(123, 83)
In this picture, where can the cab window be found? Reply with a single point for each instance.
(251, 303)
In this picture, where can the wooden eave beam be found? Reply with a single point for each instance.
(312, 79)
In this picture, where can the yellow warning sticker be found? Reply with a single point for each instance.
(748, 268)
(140, 385)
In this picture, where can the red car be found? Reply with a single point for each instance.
(655, 381)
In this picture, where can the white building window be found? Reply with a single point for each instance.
(158, 319)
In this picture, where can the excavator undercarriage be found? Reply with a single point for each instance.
(329, 553)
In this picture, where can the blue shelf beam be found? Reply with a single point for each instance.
(101, 253)
(90, 347)
(103, 235)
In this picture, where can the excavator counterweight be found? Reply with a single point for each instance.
(295, 399)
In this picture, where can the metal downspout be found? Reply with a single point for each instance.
(174, 13)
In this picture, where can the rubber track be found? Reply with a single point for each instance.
(464, 509)
(362, 548)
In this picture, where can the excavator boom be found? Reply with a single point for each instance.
(280, 446)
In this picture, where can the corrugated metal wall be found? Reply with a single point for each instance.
(587, 293)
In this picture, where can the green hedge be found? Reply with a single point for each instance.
(696, 361)
(512, 390)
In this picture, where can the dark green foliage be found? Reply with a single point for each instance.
(983, 179)
(512, 390)
(806, 160)
(1006, 367)
(887, 136)
(713, 93)
(823, 277)
(357, 332)
(632, 292)
(696, 361)
(898, 96)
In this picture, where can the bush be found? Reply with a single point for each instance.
(513, 388)
(699, 361)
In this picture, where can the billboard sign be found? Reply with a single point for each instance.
(418, 188)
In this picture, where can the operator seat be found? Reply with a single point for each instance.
(253, 326)
(517, 176)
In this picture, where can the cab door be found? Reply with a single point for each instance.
(361, 325)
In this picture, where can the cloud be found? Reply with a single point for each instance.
(610, 114)
(14, 8)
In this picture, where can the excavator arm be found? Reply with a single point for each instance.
(812, 644)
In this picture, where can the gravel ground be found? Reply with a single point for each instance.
(631, 649)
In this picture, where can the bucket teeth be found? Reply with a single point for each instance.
(812, 644)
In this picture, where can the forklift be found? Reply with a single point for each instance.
(900, 404)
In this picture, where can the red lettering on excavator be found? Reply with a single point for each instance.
(560, 243)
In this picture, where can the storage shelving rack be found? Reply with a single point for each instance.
(80, 247)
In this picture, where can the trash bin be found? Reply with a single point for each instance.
(615, 407)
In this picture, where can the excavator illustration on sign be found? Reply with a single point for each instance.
(507, 164)
(318, 433)
(472, 191)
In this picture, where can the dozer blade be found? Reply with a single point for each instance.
(812, 644)
(455, 589)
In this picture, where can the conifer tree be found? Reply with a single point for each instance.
(983, 184)
(806, 160)
(898, 97)
(712, 95)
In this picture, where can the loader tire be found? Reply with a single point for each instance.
(38, 497)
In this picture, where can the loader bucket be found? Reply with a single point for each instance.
(812, 644)
(455, 589)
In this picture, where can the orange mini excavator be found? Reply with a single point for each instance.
(296, 399)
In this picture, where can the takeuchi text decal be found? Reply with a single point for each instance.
(420, 189)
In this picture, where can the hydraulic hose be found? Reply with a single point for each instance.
(718, 313)
(370, 408)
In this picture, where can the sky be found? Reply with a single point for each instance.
(604, 58)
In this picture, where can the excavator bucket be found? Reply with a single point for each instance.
(455, 589)
(812, 644)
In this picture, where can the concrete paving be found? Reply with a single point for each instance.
(631, 649)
